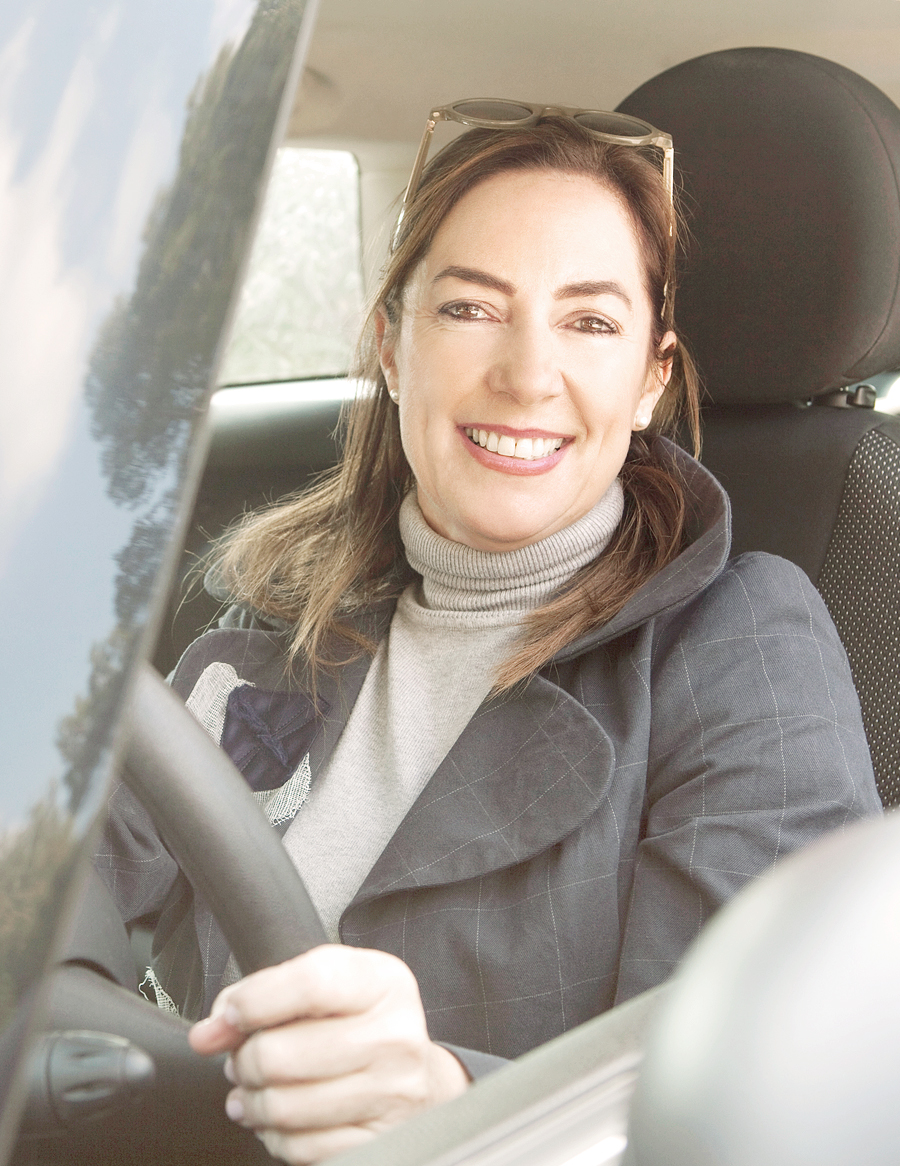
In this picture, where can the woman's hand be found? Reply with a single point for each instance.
(327, 1050)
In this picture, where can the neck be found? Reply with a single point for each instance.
(456, 577)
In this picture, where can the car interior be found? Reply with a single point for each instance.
(790, 315)
(787, 145)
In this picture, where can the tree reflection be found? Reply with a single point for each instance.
(151, 367)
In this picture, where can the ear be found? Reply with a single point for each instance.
(386, 343)
(668, 344)
(658, 376)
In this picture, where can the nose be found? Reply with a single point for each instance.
(524, 365)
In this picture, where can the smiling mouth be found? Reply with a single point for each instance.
(527, 449)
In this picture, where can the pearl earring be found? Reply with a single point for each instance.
(641, 421)
(394, 395)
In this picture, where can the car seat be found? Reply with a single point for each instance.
(788, 299)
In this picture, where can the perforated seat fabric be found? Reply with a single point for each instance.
(821, 487)
(860, 582)
(791, 172)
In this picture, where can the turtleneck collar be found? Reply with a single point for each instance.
(459, 578)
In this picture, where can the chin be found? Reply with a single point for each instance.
(508, 537)
(492, 523)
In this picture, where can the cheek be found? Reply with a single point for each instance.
(415, 400)
(418, 426)
(432, 380)
(612, 402)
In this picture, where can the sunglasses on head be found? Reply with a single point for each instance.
(499, 114)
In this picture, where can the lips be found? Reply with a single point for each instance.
(522, 448)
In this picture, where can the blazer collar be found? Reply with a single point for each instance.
(709, 531)
(339, 687)
(524, 773)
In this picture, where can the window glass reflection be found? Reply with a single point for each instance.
(302, 297)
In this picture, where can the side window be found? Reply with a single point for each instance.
(302, 297)
(887, 390)
(889, 394)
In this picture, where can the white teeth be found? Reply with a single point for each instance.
(526, 448)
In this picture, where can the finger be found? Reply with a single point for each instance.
(319, 1105)
(303, 1051)
(330, 980)
(216, 1034)
(319, 1049)
(300, 1149)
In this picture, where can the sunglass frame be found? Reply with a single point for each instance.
(652, 137)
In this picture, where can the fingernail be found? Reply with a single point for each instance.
(229, 1071)
(231, 1015)
(234, 1107)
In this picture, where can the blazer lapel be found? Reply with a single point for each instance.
(524, 773)
(340, 693)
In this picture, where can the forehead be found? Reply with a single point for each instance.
(534, 225)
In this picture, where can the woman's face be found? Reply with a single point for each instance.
(522, 360)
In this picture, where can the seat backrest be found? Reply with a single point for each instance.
(790, 167)
(258, 454)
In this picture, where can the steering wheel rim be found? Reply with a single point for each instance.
(215, 830)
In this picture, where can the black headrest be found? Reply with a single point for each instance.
(791, 173)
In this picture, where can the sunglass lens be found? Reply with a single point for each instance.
(492, 110)
(612, 123)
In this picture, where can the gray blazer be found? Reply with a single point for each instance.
(580, 832)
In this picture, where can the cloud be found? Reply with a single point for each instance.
(44, 306)
(50, 308)
(148, 158)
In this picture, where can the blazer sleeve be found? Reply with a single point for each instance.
(756, 748)
(131, 859)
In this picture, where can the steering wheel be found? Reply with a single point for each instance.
(213, 827)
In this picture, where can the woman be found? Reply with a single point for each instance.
(523, 725)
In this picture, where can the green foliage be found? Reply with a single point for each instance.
(35, 866)
(82, 736)
(151, 366)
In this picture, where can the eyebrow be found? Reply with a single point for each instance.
(570, 291)
(473, 275)
(593, 287)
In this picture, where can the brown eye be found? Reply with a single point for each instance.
(463, 311)
(595, 324)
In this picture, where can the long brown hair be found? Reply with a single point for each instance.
(335, 549)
